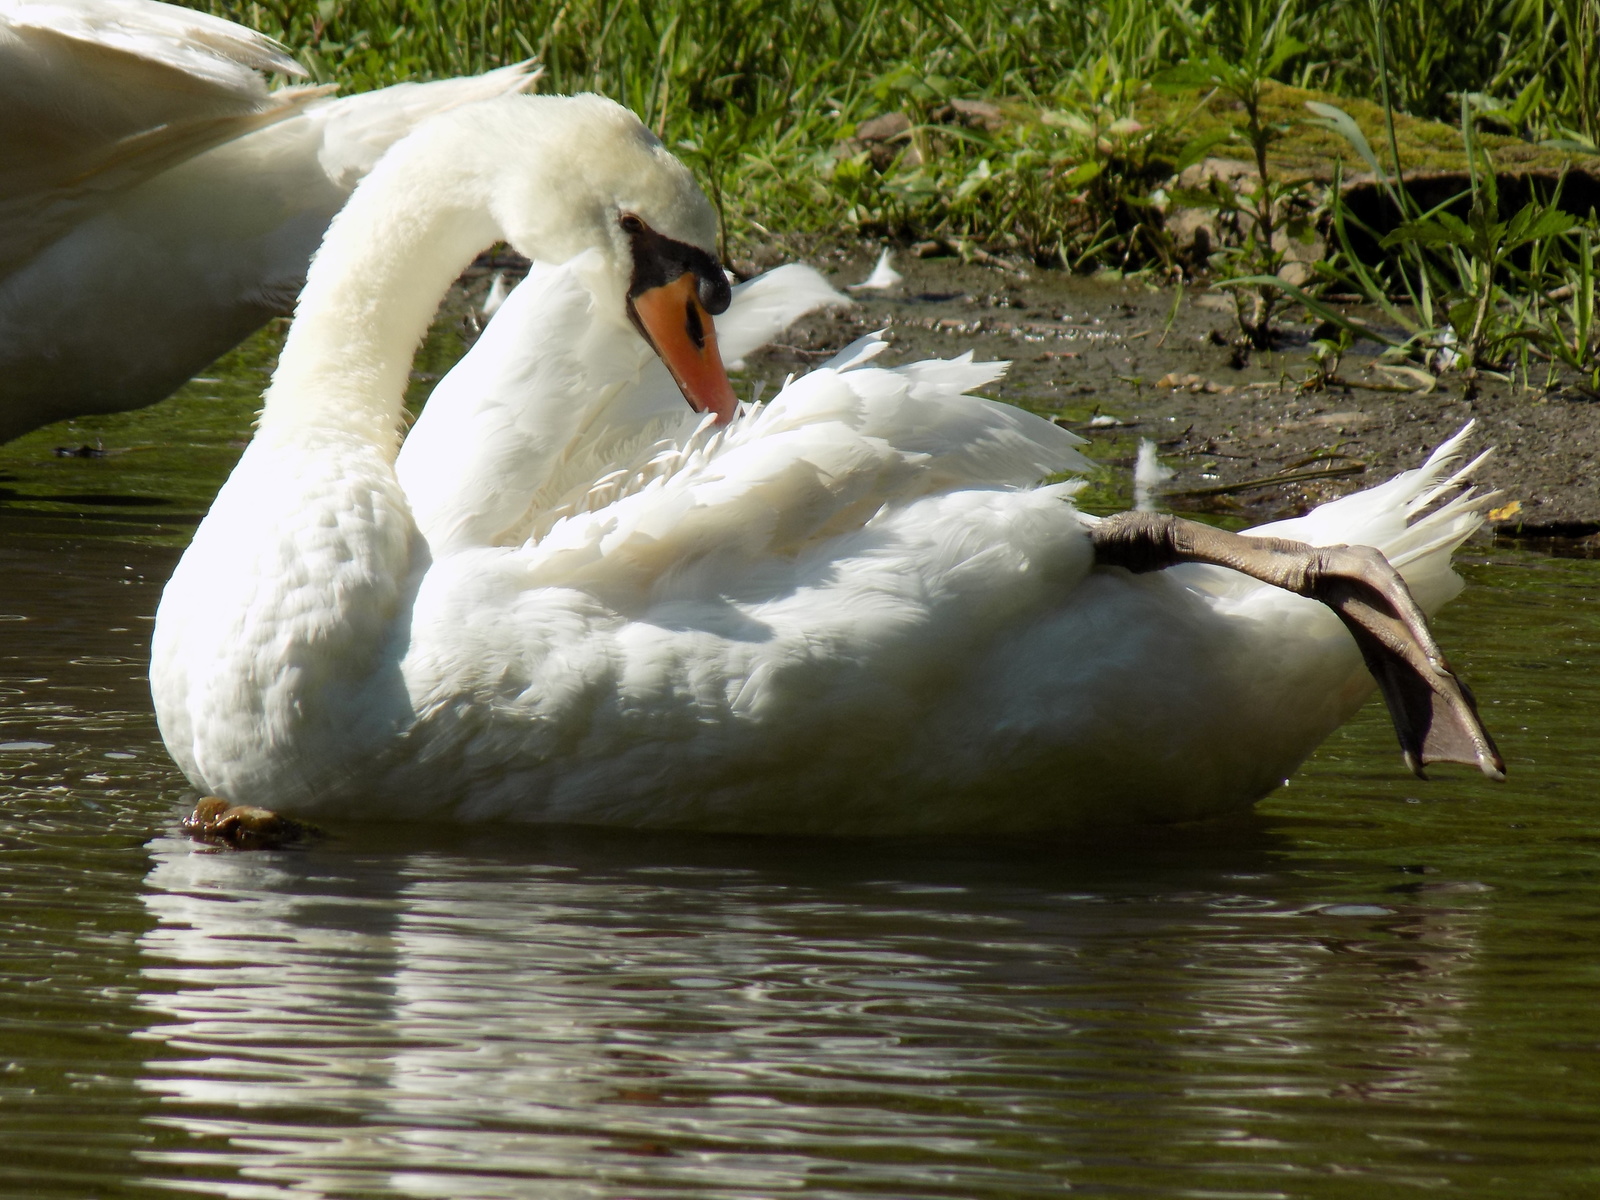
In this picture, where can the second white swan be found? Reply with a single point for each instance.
(157, 203)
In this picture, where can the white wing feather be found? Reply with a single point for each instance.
(97, 95)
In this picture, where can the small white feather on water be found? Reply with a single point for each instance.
(883, 277)
(1148, 475)
(498, 291)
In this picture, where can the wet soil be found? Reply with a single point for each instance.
(1117, 361)
(1122, 361)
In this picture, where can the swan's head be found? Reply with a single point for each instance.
(591, 176)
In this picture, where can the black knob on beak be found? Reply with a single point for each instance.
(715, 293)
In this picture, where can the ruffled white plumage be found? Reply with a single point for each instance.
(554, 419)
(800, 580)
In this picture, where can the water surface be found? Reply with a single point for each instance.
(1374, 986)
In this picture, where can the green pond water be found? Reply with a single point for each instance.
(1372, 987)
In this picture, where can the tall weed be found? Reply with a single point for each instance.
(1474, 290)
(1263, 217)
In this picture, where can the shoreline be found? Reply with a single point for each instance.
(1122, 361)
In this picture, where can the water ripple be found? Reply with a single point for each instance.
(1375, 986)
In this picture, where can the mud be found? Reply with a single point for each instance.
(1121, 361)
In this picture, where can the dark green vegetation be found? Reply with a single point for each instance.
(767, 94)
(1052, 132)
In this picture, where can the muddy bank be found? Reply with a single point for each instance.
(1120, 362)
(1117, 362)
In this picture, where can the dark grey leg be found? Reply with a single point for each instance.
(1433, 712)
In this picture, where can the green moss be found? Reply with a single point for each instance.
(1306, 150)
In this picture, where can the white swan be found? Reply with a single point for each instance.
(847, 611)
(157, 203)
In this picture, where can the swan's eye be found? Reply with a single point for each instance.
(631, 223)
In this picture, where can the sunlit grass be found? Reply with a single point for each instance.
(1070, 163)
(763, 95)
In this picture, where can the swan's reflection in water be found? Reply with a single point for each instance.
(512, 1014)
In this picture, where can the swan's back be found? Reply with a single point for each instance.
(559, 430)
(826, 456)
(852, 611)
(99, 95)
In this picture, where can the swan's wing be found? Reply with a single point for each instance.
(78, 78)
(356, 130)
(207, 51)
(830, 454)
(93, 71)
(556, 415)
(765, 306)
(126, 291)
(40, 201)
(268, 196)
(552, 398)
(98, 95)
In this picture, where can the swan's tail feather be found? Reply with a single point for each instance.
(1441, 458)
(1417, 519)
(769, 304)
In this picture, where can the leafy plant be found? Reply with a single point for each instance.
(1066, 178)
(1071, 182)
(1470, 286)
(1473, 260)
(1271, 210)
(1569, 331)
(1326, 353)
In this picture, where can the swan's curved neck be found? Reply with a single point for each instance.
(387, 260)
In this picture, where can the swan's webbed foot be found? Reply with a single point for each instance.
(243, 826)
(1433, 711)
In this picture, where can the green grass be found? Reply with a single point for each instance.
(764, 99)
(762, 96)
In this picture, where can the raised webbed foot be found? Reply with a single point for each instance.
(244, 827)
(1433, 712)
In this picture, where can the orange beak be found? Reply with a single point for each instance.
(679, 329)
